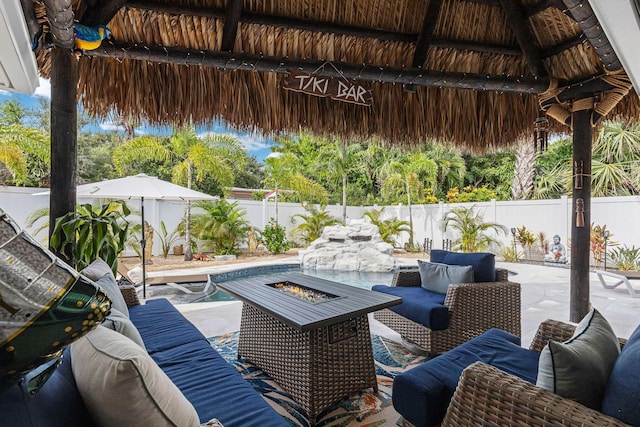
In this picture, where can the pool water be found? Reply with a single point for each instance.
(359, 279)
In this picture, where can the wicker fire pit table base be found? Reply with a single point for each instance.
(317, 367)
(310, 335)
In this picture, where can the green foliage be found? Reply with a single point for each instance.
(472, 229)
(511, 254)
(92, 232)
(626, 258)
(491, 170)
(313, 223)
(526, 239)
(470, 194)
(167, 239)
(274, 238)
(222, 227)
(389, 228)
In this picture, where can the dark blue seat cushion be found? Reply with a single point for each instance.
(422, 394)
(622, 395)
(208, 381)
(483, 263)
(57, 403)
(420, 305)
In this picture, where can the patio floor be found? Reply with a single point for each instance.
(545, 295)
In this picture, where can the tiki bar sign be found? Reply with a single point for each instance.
(338, 89)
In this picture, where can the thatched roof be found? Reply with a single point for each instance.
(175, 61)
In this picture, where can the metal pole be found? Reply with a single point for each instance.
(143, 244)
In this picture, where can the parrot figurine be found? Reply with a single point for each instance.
(90, 38)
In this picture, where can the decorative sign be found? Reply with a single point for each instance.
(338, 89)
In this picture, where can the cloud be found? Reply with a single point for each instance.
(110, 127)
(251, 141)
(5, 92)
(44, 90)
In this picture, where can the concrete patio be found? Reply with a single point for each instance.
(545, 295)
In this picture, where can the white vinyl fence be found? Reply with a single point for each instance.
(549, 216)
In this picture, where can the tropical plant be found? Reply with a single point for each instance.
(283, 173)
(543, 241)
(25, 152)
(511, 254)
(343, 158)
(312, 223)
(389, 228)
(597, 240)
(470, 194)
(526, 239)
(274, 238)
(626, 258)
(222, 227)
(92, 232)
(167, 239)
(472, 229)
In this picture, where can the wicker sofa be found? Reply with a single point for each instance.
(469, 310)
(209, 383)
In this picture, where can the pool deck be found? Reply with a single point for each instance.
(545, 295)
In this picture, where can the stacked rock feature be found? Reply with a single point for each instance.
(355, 247)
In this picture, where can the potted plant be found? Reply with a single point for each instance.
(168, 239)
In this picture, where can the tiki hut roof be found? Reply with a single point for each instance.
(473, 72)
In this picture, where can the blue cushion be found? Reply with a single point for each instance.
(420, 305)
(437, 277)
(622, 395)
(57, 403)
(422, 394)
(214, 387)
(483, 263)
(162, 326)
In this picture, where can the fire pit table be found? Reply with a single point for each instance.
(310, 335)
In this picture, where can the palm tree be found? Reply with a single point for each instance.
(192, 158)
(616, 160)
(25, 152)
(388, 228)
(451, 168)
(342, 159)
(313, 223)
(223, 225)
(473, 230)
(524, 173)
(409, 178)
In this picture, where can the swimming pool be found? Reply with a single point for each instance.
(360, 279)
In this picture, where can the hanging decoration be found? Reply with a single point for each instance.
(579, 212)
(337, 89)
(540, 132)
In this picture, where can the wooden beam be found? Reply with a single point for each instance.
(64, 118)
(102, 12)
(324, 27)
(230, 29)
(362, 72)
(567, 44)
(581, 215)
(582, 13)
(580, 90)
(426, 34)
(30, 18)
(517, 21)
(544, 5)
(60, 17)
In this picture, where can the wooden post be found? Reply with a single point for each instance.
(64, 117)
(581, 215)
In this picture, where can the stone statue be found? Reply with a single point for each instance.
(253, 244)
(557, 252)
(148, 237)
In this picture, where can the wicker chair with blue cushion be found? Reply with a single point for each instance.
(434, 320)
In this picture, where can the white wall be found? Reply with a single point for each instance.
(549, 216)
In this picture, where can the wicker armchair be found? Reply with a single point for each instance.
(488, 396)
(473, 309)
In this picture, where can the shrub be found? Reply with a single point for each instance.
(274, 238)
(626, 258)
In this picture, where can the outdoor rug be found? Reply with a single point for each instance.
(363, 409)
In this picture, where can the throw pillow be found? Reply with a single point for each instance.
(100, 272)
(579, 368)
(120, 323)
(622, 395)
(121, 385)
(483, 263)
(437, 277)
(44, 304)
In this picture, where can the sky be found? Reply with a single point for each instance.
(256, 144)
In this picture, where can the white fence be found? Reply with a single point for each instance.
(548, 216)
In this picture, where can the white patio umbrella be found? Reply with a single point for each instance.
(141, 187)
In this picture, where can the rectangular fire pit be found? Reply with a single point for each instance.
(317, 351)
(302, 292)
